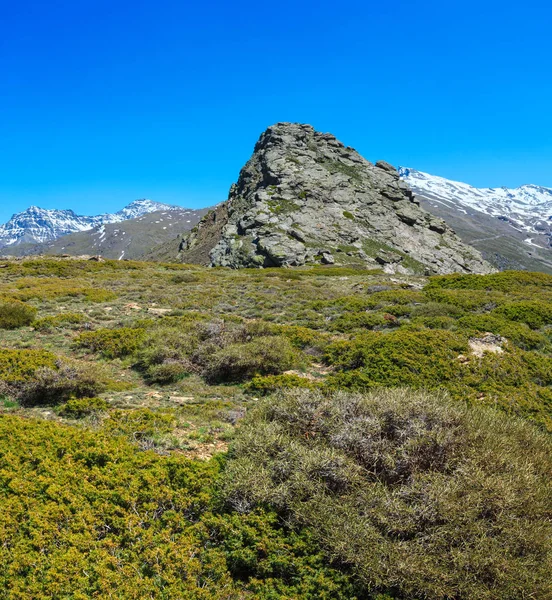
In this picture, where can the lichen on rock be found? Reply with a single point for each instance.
(304, 196)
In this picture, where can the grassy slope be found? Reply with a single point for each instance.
(347, 329)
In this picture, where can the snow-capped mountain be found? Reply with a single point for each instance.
(511, 227)
(38, 225)
(528, 207)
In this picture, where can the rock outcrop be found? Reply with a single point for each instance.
(305, 198)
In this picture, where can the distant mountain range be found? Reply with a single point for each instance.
(128, 233)
(38, 225)
(511, 227)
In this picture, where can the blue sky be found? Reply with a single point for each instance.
(102, 102)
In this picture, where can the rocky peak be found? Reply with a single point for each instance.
(305, 198)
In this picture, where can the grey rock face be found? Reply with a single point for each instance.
(305, 198)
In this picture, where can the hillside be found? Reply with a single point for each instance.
(37, 225)
(305, 198)
(510, 227)
(314, 432)
(129, 239)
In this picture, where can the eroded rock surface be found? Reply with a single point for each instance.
(305, 198)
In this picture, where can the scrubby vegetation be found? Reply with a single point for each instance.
(417, 494)
(381, 413)
(14, 314)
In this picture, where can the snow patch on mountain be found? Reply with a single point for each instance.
(528, 207)
(39, 225)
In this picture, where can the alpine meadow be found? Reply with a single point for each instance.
(275, 301)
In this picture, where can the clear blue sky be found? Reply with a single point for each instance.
(105, 101)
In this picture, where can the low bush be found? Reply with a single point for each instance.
(513, 380)
(85, 515)
(15, 314)
(77, 408)
(398, 358)
(534, 313)
(220, 351)
(467, 300)
(112, 343)
(412, 491)
(436, 309)
(53, 322)
(267, 384)
(237, 362)
(184, 278)
(303, 338)
(505, 281)
(519, 334)
(360, 320)
(99, 295)
(18, 366)
(50, 386)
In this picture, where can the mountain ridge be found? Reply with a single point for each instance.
(37, 225)
(511, 227)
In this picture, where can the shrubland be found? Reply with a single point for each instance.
(416, 493)
(319, 432)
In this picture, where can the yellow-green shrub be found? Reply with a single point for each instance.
(519, 334)
(15, 314)
(112, 343)
(69, 379)
(398, 358)
(76, 408)
(17, 366)
(52, 322)
(86, 515)
(263, 356)
(534, 313)
(267, 384)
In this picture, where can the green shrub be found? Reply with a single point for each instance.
(534, 313)
(219, 350)
(18, 366)
(47, 323)
(513, 380)
(99, 295)
(165, 355)
(50, 386)
(411, 490)
(169, 371)
(467, 300)
(139, 423)
(352, 321)
(519, 334)
(432, 323)
(15, 314)
(267, 384)
(505, 281)
(303, 337)
(436, 309)
(86, 515)
(185, 278)
(263, 356)
(77, 408)
(413, 358)
(112, 343)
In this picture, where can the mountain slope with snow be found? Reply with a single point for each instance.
(131, 238)
(512, 227)
(37, 225)
(527, 207)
